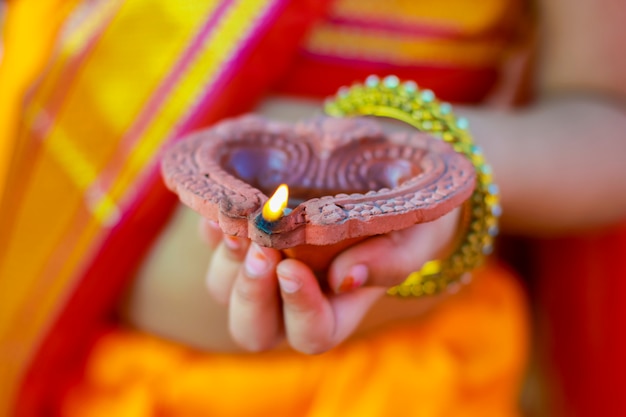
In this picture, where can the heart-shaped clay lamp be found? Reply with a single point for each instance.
(347, 180)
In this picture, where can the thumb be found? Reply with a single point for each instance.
(388, 259)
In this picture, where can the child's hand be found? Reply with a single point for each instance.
(271, 298)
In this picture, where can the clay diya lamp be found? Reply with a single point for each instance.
(347, 180)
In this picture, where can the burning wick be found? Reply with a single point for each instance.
(275, 207)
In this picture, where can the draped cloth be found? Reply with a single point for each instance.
(581, 319)
(111, 82)
(464, 359)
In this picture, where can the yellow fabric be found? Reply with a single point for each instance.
(77, 163)
(404, 50)
(405, 32)
(464, 359)
(461, 16)
(28, 33)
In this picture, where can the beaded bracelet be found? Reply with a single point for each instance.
(420, 108)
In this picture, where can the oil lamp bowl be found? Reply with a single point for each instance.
(347, 178)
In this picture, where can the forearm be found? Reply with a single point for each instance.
(559, 164)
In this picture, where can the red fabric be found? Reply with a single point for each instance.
(321, 76)
(582, 316)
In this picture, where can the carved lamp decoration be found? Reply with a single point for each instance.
(347, 179)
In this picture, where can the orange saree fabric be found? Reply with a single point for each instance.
(464, 359)
(83, 200)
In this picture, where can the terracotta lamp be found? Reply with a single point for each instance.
(346, 180)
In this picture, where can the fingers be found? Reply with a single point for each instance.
(224, 266)
(255, 318)
(270, 298)
(388, 259)
(315, 322)
(210, 232)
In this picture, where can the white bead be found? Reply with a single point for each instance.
(428, 96)
(372, 81)
(391, 81)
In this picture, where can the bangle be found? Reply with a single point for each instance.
(420, 108)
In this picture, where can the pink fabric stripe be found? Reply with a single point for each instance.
(52, 268)
(40, 131)
(41, 125)
(214, 87)
(415, 30)
(212, 90)
(156, 101)
(159, 96)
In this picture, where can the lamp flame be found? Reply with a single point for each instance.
(274, 208)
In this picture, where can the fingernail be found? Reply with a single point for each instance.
(213, 224)
(355, 278)
(232, 242)
(256, 262)
(288, 285)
